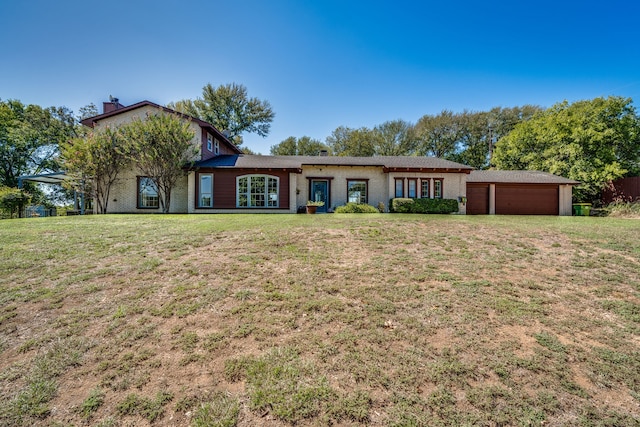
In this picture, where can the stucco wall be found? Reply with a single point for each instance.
(381, 185)
(338, 176)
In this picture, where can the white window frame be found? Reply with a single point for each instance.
(148, 195)
(216, 147)
(249, 195)
(201, 194)
(209, 142)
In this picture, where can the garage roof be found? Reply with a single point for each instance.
(518, 177)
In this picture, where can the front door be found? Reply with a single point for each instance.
(320, 192)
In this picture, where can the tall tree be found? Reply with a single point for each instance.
(345, 141)
(230, 109)
(395, 138)
(304, 146)
(593, 141)
(94, 162)
(438, 136)
(161, 145)
(29, 138)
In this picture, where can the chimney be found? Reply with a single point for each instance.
(112, 105)
(324, 153)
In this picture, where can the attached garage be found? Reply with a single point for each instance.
(518, 193)
(477, 198)
(526, 199)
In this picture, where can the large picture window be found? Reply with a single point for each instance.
(205, 190)
(257, 191)
(147, 193)
(357, 191)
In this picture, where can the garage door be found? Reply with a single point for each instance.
(520, 199)
(477, 199)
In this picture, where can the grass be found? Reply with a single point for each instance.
(382, 319)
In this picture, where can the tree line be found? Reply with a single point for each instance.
(466, 137)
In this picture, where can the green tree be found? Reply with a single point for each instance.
(293, 146)
(11, 201)
(161, 145)
(345, 141)
(95, 161)
(29, 139)
(438, 136)
(230, 109)
(592, 141)
(395, 138)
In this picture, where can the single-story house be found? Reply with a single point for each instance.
(222, 179)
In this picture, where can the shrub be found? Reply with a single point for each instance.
(624, 209)
(356, 208)
(11, 200)
(432, 206)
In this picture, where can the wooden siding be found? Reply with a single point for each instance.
(477, 199)
(529, 199)
(224, 187)
(624, 189)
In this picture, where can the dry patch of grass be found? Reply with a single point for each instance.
(332, 319)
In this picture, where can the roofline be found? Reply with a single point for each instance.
(410, 169)
(91, 121)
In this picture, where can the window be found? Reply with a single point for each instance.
(257, 191)
(209, 142)
(147, 193)
(437, 189)
(216, 147)
(425, 189)
(357, 191)
(205, 190)
(413, 188)
(399, 187)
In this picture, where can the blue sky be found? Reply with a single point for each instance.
(321, 64)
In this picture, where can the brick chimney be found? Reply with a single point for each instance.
(112, 105)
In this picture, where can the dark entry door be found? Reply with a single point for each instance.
(320, 192)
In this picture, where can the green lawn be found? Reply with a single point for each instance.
(278, 320)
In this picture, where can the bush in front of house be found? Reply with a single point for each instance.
(356, 208)
(425, 206)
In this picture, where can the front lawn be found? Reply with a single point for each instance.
(275, 320)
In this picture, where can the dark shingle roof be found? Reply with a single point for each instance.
(296, 162)
(518, 177)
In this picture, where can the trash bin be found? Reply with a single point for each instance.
(582, 209)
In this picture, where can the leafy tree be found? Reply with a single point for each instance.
(395, 138)
(229, 108)
(293, 146)
(593, 141)
(161, 145)
(95, 162)
(438, 136)
(29, 138)
(345, 141)
(468, 137)
(11, 201)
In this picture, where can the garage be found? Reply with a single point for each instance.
(518, 193)
(526, 199)
(477, 198)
